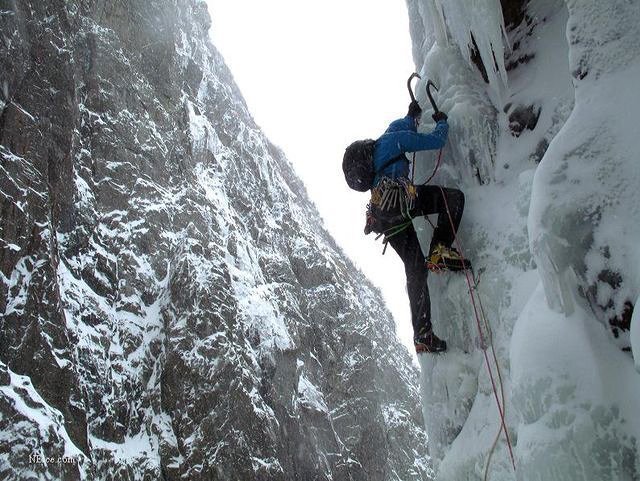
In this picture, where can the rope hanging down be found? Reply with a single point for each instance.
(504, 407)
(472, 292)
(486, 357)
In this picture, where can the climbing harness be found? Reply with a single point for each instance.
(389, 211)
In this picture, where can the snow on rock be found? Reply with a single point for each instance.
(171, 306)
(310, 395)
(547, 159)
(35, 419)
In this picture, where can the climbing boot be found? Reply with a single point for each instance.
(446, 258)
(429, 342)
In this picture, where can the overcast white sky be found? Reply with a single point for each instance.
(316, 76)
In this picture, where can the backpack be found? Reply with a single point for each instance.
(357, 165)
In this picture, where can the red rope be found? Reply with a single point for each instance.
(475, 311)
(436, 168)
(430, 177)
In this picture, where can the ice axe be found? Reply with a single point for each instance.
(413, 75)
(433, 103)
(429, 85)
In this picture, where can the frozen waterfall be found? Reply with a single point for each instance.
(541, 97)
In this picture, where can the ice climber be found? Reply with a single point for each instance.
(395, 201)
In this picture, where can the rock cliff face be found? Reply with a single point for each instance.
(172, 307)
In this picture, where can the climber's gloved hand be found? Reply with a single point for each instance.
(414, 110)
(438, 116)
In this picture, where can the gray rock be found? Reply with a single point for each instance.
(172, 306)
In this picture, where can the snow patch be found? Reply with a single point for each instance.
(310, 395)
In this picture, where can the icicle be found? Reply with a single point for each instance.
(480, 18)
(438, 25)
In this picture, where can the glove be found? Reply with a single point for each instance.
(414, 109)
(438, 116)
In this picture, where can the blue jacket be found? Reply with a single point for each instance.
(401, 136)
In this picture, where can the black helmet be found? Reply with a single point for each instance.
(357, 165)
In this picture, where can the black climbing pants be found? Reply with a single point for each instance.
(429, 201)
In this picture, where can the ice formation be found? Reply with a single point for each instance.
(544, 145)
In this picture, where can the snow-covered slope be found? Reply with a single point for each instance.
(171, 306)
(544, 143)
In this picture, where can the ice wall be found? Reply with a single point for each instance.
(585, 217)
(543, 142)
